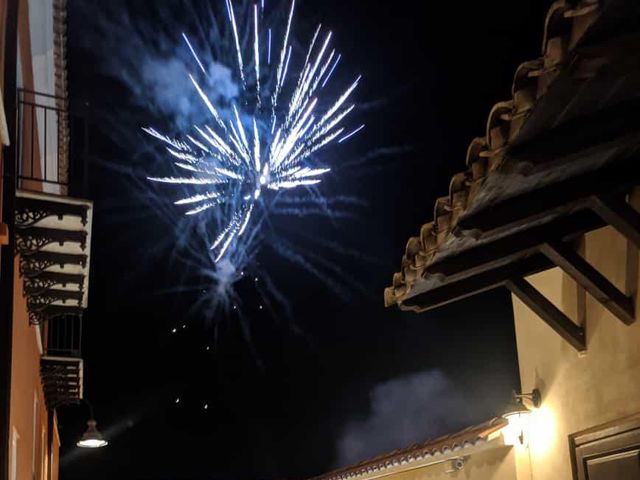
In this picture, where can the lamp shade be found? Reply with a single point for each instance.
(92, 438)
(518, 417)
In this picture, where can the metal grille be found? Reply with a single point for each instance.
(43, 142)
(64, 336)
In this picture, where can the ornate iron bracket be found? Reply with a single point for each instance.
(33, 239)
(30, 211)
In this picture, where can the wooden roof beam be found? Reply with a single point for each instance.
(484, 281)
(619, 214)
(591, 280)
(547, 311)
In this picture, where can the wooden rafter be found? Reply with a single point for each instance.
(547, 311)
(619, 214)
(591, 280)
(495, 277)
(525, 239)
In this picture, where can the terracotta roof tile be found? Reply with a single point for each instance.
(443, 445)
(565, 24)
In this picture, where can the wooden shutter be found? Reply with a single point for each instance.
(607, 452)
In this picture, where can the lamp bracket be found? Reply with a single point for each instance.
(535, 397)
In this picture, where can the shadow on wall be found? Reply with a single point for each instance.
(404, 411)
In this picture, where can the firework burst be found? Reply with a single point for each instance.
(268, 141)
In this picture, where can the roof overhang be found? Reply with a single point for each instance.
(557, 161)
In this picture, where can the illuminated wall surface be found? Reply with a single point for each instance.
(585, 390)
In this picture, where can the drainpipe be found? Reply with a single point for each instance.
(7, 258)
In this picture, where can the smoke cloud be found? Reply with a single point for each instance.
(405, 410)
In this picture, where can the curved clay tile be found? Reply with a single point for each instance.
(525, 85)
(458, 183)
(556, 24)
(413, 247)
(442, 215)
(497, 131)
(427, 238)
(398, 281)
(564, 24)
(474, 149)
(458, 195)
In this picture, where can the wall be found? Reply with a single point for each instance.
(579, 390)
(25, 387)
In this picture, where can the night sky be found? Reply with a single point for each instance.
(339, 380)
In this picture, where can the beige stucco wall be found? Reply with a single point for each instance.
(496, 463)
(28, 415)
(579, 390)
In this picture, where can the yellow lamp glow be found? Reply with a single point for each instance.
(519, 418)
(517, 431)
(542, 431)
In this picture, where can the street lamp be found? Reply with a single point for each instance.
(92, 438)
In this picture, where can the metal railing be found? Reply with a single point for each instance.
(64, 336)
(43, 142)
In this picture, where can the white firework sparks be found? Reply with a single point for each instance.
(259, 147)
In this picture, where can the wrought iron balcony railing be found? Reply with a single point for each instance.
(64, 336)
(47, 161)
(43, 142)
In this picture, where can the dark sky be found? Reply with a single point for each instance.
(339, 381)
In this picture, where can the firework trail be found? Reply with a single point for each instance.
(265, 142)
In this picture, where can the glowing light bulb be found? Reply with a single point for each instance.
(517, 431)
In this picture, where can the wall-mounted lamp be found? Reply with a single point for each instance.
(517, 414)
(535, 398)
(92, 438)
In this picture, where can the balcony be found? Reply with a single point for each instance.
(53, 230)
(61, 366)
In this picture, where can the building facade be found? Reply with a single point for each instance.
(548, 207)
(46, 236)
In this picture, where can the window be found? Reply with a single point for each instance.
(43, 454)
(35, 436)
(13, 467)
(608, 452)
